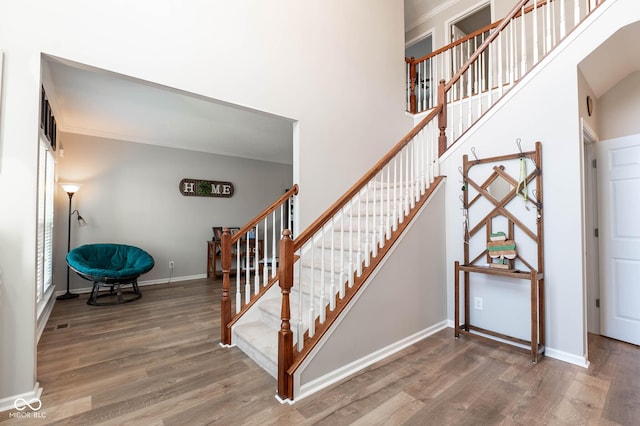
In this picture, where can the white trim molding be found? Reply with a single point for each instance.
(10, 402)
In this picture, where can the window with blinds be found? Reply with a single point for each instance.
(44, 262)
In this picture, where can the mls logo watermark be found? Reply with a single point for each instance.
(21, 405)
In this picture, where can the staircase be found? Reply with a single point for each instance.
(323, 268)
(348, 245)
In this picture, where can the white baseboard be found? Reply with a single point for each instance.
(580, 361)
(355, 366)
(9, 403)
(83, 290)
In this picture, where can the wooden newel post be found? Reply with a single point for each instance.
(412, 85)
(442, 118)
(285, 335)
(225, 303)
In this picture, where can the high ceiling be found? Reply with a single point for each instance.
(98, 103)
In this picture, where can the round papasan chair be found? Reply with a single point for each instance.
(112, 266)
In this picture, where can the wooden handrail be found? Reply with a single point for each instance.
(342, 201)
(290, 193)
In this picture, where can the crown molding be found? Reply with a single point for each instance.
(430, 14)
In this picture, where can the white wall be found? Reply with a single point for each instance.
(334, 66)
(130, 195)
(555, 121)
(619, 109)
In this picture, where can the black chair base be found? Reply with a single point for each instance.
(115, 292)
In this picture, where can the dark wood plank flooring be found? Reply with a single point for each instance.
(157, 361)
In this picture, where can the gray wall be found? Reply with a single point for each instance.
(401, 300)
(130, 195)
(618, 109)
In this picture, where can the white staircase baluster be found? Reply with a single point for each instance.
(401, 201)
(351, 265)
(367, 243)
(379, 242)
(490, 71)
(247, 286)
(479, 84)
(389, 213)
(238, 283)
(374, 223)
(332, 285)
(407, 180)
(247, 269)
(300, 329)
(323, 296)
(548, 29)
(342, 259)
(411, 150)
(395, 194)
(273, 242)
(535, 32)
(423, 161)
(359, 236)
(265, 258)
(256, 263)
(523, 44)
(563, 19)
(312, 302)
(554, 29)
(512, 54)
(500, 66)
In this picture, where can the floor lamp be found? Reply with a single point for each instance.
(70, 189)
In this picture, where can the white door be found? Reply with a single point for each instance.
(619, 227)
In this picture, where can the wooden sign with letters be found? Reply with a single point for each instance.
(206, 188)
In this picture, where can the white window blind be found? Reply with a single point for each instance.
(44, 261)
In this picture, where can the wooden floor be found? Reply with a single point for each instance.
(157, 361)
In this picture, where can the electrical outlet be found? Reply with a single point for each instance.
(478, 303)
(172, 264)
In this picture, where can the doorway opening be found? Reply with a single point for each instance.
(592, 256)
(460, 29)
(470, 22)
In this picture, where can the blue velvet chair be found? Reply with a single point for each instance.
(112, 266)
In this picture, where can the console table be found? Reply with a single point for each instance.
(214, 254)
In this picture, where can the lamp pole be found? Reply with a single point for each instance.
(70, 189)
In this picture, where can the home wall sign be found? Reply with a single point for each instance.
(205, 188)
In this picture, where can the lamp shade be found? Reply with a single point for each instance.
(70, 188)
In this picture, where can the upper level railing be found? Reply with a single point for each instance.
(251, 254)
(534, 28)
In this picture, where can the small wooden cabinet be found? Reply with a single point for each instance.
(247, 256)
